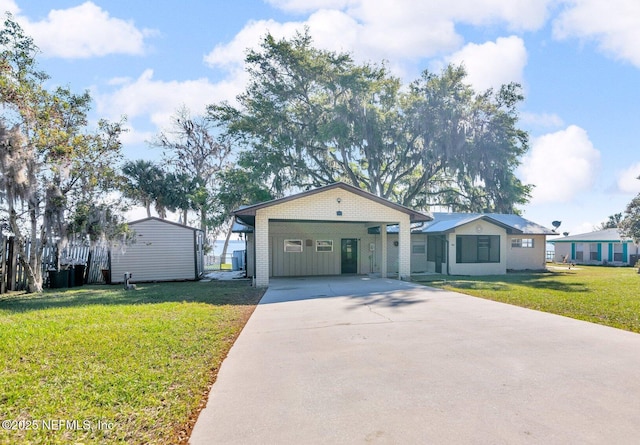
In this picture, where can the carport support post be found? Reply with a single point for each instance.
(261, 239)
(383, 250)
(404, 249)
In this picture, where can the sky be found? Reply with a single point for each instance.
(578, 62)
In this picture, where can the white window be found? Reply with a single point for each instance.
(617, 252)
(419, 248)
(324, 245)
(593, 252)
(293, 245)
(522, 242)
(579, 252)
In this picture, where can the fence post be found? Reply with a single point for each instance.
(3, 265)
(12, 265)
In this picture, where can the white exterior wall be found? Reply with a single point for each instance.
(561, 250)
(392, 253)
(162, 252)
(564, 248)
(485, 228)
(323, 206)
(524, 258)
(419, 260)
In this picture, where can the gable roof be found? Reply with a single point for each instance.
(607, 235)
(247, 213)
(164, 221)
(515, 224)
(448, 222)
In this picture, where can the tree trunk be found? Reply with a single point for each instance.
(184, 217)
(34, 271)
(226, 243)
(34, 276)
(203, 220)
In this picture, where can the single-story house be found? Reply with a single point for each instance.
(599, 247)
(341, 229)
(161, 251)
(477, 244)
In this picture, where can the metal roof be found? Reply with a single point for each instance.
(448, 222)
(607, 236)
(164, 221)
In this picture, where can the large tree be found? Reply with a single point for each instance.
(238, 187)
(612, 223)
(192, 148)
(310, 117)
(51, 164)
(630, 224)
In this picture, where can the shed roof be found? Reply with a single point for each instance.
(164, 221)
(607, 235)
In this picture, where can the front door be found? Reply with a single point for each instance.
(349, 255)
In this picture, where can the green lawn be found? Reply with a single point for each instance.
(605, 295)
(98, 364)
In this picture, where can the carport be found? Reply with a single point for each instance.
(326, 231)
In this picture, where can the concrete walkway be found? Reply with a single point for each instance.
(357, 361)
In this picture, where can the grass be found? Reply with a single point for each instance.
(98, 364)
(604, 295)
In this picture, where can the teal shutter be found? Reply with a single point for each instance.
(573, 251)
(599, 258)
(610, 257)
(624, 252)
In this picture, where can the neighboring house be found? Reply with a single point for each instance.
(340, 229)
(600, 247)
(162, 251)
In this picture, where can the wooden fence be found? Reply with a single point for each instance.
(14, 277)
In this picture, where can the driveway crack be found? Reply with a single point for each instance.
(378, 313)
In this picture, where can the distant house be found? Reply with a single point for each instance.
(162, 251)
(599, 247)
(341, 229)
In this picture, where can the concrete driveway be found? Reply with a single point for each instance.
(353, 360)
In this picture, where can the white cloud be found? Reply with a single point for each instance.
(614, 25)
(9, 6)
(84, 31)
(400, 31)
(299, 6)
(159, 99)
(232, 55)
(628, 181)
(560, 165)
(541, 120)
(332, 30)
(492, 64)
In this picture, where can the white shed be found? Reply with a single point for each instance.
(162, 251)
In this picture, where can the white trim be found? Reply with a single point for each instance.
(323, 248)
(292, 245)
